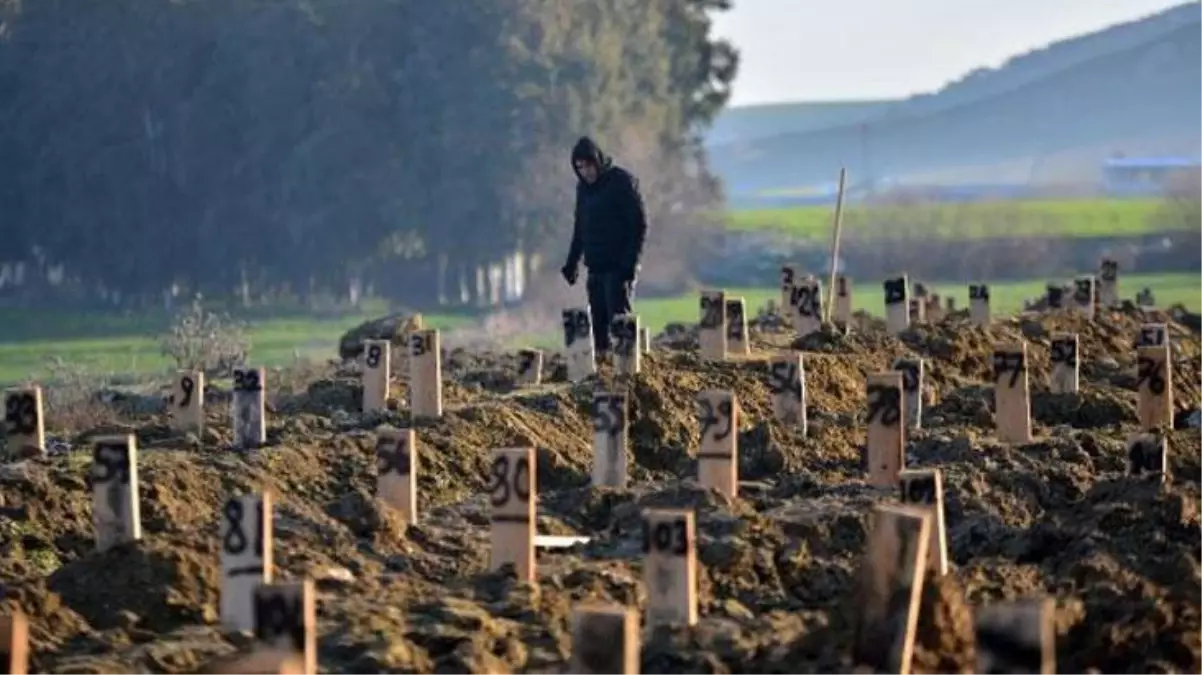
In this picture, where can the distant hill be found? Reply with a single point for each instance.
(1050, 115)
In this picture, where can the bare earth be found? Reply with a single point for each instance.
(1057, 516)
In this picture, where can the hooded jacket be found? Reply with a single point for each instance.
(610, 222)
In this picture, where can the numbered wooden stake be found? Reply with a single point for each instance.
(913, 375)
(530, 367)
(737, 340)
(1012, 397)
(897, 304)
(978, 304)
(24, 422)
(645, 340)
(923, 488)
(425, 373)
(1065, 376)
(512, 492)
(578, 343)
(396, 470)
(885, 448)
(377, 374)
(624, 332)
(786, 382)
(1016, 637)
(670, 567)
(114, 476)
(1147, 455)
(1155, 385)
(1083, 296)
(807, 306)
(890, 587)
(188, 401)
(14, 643)
(285, 618)
(249, 408)
(934, 308)
(711, 333)
(247, 542)
(605, 639)
(917, 311)
(718, 458)
(788, 275)
(1153, 335)
(843, 316)
(609, 438)
(1108, 283)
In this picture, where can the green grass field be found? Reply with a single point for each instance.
(975, 220)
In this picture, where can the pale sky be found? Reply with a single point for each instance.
(819, 50)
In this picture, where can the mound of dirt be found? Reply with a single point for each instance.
(776, 566)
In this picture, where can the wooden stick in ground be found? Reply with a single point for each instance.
(830, 288)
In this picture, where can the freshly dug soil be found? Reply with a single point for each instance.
(776, 566)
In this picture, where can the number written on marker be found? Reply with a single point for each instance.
(978, 292)
(500, 489)
(786, 276)
(671, 537)
(392, 456)
(884, 404)
(1110, 270)
(807, 300)
(526, 359)
(841, 287)
(1064, 351)
(1083, 292)
(247, 380)
(783, 378)
(110, 466)
(420, 343)
(1151, 370)
(895, 291)
(734, 320)
(575, 326)
(909, 371)
(235, 540)
(186, 385)
(609, 415)
(711, 311)
(1055, 297)
(1012, 363)
(713, 416)
(625, 336)
(278, 616)
(374, 354)
(918, 490)
(21, 412)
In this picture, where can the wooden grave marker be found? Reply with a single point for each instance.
(1083, 296)
(24, 420)
(116, 518)
(738, 341)
(978, 304)
(377, 374)
(14, 643)
(609, 438)
(885, 446)
(188, 401)
(917, 310)
(933, 311)
(1016, 637)
(897, 304)
(913, 378)
(718, 456)
(670, 567)
(578, 343)
(530, 367)
(1145, 299)
(890, 587)
(624, 334)
(788, 276)
(843, 315)
(1148, 454)
(285, 618)
(396, 470)
(1108, 283)
(923, 488)
(645, 340)
(1055, 297)
(949, 304)
(512, 493)
(807, 306)
(425, 373)
(1012, 396)
(1154, 382)
(249, 408)
(247, 543)
(605, 639)
(1153, 335)
(1065, 376)
(711, 333)
(786, 382)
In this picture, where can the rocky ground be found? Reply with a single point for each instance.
(1057, 517)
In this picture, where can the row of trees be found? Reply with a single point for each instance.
(159, 146)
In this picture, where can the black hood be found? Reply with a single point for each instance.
(587, 148)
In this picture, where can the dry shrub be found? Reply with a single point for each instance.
(199, 339)
(70, 397)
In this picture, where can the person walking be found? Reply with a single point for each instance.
(609, 229)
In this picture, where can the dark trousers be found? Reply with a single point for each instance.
(608, 296)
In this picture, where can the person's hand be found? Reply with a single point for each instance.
(569, 273)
